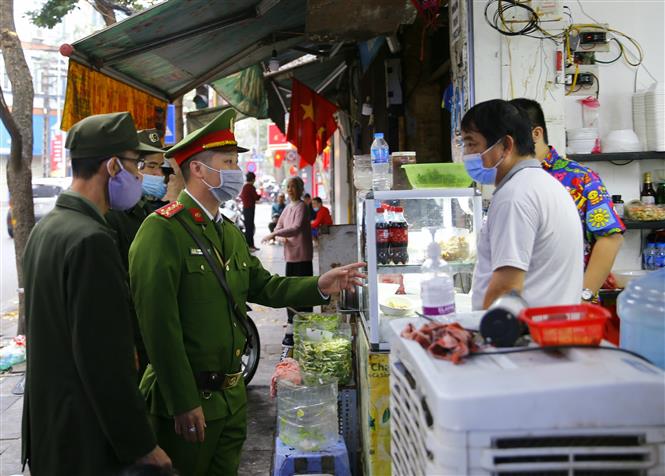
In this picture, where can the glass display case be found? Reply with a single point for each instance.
(394, 230)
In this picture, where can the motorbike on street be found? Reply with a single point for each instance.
(232, 209)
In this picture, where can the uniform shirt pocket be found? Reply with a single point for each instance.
(198, 282)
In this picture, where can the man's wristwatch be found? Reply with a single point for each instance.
(588, 295)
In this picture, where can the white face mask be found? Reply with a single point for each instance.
(230, 183)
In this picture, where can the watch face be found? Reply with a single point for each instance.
(587, 295)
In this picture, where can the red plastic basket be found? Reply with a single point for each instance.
(579, 324)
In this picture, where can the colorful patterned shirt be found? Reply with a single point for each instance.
(590, 195)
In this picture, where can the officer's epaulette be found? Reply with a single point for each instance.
(171, 209)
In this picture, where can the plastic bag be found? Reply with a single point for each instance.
(322, 346)
(12, 354)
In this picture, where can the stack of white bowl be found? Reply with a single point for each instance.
(581, 141)
(623, 140)
(654, 108)
(640, 118)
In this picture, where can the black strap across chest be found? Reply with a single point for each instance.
(219, 274)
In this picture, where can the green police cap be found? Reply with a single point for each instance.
(151, 137)
(103, 135)
(216, 134)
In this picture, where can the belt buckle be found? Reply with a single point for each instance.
(231, 380)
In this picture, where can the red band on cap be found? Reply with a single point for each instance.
(209, 141)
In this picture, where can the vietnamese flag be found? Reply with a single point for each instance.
(311, 122)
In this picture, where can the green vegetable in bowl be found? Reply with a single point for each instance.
(434, 177)
(323, 346)
(330, 357)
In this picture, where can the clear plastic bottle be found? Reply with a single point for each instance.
(641, 307)
(381, 165)
(437, 290)
(659, 256)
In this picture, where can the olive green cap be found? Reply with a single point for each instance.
(216, 134)
(103, 135)
(151, 137)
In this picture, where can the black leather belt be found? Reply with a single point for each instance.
(211, 381)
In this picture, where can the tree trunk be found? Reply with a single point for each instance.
(106, 11)
(19, 174)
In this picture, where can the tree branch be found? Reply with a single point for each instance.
(12, 128)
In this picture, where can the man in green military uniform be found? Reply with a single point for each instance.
(193, 385)
(155, 170)
(82, 411)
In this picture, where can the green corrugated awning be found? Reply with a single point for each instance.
(171, 48)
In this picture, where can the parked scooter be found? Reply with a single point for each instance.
(232, 209)
(270, 191)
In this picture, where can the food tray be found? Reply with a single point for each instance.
(638, 211)
(437, 175)
(579, 324)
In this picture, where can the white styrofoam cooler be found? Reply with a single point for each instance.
(576, 412)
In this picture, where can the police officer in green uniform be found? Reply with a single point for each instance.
(193, 384)
(82, 411)
(155, 170)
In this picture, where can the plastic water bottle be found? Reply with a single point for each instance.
(659, 256)
(437, 290)
(381, 173)
(641, 307)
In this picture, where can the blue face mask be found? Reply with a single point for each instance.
(474, 167)
(316, 209)
(154, 186)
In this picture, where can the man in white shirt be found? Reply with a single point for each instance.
(532, 239)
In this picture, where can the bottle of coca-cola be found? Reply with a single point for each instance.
(399, 237)
(382, 237)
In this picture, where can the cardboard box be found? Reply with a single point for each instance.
(374, 388)
(400, 182)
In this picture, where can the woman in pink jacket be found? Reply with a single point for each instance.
(294, 228)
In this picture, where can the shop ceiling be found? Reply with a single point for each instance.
(173, 47)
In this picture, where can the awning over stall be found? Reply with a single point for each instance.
(173, 47)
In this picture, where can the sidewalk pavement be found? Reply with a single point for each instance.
(256, 458)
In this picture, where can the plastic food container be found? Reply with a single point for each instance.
(437, 175)
(323, 346)
(362, 172)
(307, 413)
(623, 277)
(578, 324)
(641, 212)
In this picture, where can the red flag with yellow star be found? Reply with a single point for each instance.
(311, 122)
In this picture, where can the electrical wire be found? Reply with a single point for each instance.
(572, 89)
(532, 23)
(597, 84)
(585, 13)
(560, 347)
(615, 59)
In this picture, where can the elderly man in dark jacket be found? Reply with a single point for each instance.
(83, 414)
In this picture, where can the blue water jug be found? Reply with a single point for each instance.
(641, 308)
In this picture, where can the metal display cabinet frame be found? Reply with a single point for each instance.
(366, 210)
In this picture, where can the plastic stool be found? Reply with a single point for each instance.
(332, 460)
